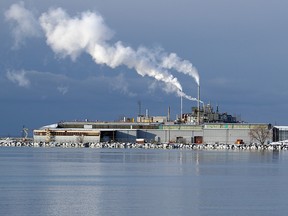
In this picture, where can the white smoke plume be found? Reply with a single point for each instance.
(182, 94)
(70, 36)
(87, 33)
(172, 61)
(24, 23)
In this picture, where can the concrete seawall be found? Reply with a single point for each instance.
(278, 147)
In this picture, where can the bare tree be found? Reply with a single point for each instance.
(260, 133)
(80, 139)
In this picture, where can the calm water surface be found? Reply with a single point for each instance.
(43, 181)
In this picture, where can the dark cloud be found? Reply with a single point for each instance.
(239, 48)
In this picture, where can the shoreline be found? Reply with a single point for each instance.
(215, 146)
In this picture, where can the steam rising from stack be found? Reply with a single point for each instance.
(87, 33)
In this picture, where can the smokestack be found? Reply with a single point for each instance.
(168, 114)
(181, 108)
(139, 106)
(198, 113)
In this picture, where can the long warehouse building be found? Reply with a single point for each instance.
(228, 133)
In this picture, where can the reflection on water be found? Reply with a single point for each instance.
(142, 182)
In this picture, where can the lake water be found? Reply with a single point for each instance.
(56, 181)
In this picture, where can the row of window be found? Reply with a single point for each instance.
(67, 133)
(109, 126)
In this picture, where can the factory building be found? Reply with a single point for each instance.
(280, 133)
(229, 133)
(207, 115)
(202, 125)
(58, 134)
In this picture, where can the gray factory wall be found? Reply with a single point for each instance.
(126, 135)
(162, 136)
(61, 139)
(147, 135)
(159, 136)
(227, 136)
(222, 135)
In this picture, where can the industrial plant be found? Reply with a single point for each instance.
(202, 125)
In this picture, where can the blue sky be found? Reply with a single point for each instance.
(239, 49)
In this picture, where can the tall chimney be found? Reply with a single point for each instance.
(139, 105)
(198, 113)
(181, 108)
